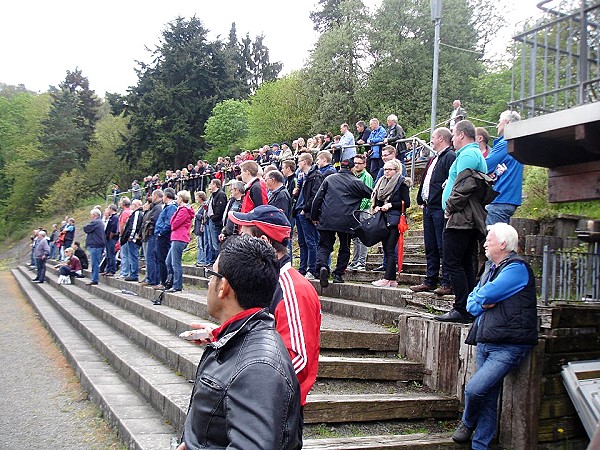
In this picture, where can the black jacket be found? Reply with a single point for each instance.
(246, 394)
(219, 202)
(282, 200)
(400, 194)
(438, 178)
(112, 227)
(393, 135)
(310, 186)
(149, 220)
(338, 197)
(133, 228)
(466, 205)
(513, 320)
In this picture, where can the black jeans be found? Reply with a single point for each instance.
(163, 246)
(41, 269)
(459, 252)
(433, 229)
(326, 241)
(391, 253)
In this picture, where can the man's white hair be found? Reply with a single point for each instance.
(510, 116)
(392, 117)
(505, 233)
(96, 212)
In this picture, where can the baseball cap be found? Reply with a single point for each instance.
(347, 163)
(266, 218)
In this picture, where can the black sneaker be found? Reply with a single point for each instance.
(324, 277)
(379, 269)
(462, 434)
(337, 278)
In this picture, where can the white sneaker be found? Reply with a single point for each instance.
(359, 267)
(309, 276)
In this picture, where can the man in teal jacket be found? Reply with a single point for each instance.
(460, 243)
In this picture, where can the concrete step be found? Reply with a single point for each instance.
(168, 392)
(375, 407)
(139, 425)
(384, 442)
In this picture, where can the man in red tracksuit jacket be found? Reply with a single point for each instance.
(295, 305)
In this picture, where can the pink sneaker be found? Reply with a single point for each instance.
(381, 283)
(393, 283)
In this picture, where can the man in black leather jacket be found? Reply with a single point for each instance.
(246, 394)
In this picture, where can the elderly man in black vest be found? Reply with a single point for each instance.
(505, 329)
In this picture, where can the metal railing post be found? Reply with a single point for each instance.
(545, 263)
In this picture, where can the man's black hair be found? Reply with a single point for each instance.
(252, 270)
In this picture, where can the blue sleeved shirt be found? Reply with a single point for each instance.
(377, 135)
(468, 157)
(512, 279)
(163, 223)
(510, 184)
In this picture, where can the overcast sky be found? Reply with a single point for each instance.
(42, 39)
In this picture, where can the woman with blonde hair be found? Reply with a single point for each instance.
(181, 224)
(388, 196)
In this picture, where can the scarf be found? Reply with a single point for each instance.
(385, 187)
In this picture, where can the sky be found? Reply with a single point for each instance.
(40, 40)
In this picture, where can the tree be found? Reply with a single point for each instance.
(260, 69)
(401, 45)
(88, 106)
(334, 74)
(279, 110)
(175, 95)
(227, 125)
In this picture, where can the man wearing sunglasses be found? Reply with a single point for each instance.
(244, 377)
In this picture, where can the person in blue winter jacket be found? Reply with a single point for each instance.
(377, 136)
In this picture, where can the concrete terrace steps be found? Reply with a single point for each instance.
(139, 425)
(386, 442)
(153, 374)
(169, 392)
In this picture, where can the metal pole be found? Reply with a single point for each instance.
(436, 17)
(545, 262)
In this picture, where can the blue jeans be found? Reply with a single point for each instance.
(494, 362)
(133, 258)
(201, 257)
(213, 241)
(52, 254)
(433, 229)
(308, 239)
(499, 212)
(95, 259)
(152, 270)
(174, 263)
(111, 258)
(125, 260)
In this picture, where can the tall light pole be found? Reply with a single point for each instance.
(436, 17)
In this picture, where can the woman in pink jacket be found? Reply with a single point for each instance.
(181, 224)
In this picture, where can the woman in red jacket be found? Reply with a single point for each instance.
(181, 224)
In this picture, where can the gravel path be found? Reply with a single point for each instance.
(42, 403)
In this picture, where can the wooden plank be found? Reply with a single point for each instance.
(581, 343)
(365, 408)
(574, 183)
(557, 406)
(352, 339)
(387, 442)
(553, 362)
(370, 369)
(519, 410)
